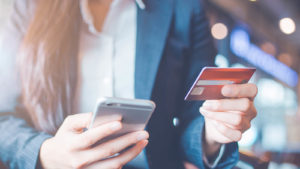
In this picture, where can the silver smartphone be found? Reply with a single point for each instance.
(134, 114)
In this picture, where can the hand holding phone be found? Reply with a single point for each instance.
(133, 113)
(73, 143)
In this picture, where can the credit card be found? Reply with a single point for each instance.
(210, 81)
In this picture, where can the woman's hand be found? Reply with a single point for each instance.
(227, 119)
(71, 147)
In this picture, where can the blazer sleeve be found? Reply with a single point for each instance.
(19, 142)
(192, 122)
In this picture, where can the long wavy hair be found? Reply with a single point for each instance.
(48, 63)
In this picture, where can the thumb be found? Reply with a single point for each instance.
(77, 122)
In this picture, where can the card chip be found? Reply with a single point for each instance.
(197, 91)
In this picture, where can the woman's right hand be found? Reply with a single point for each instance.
(71, 147)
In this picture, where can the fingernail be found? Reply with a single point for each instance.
(142, 136)
(115, 126)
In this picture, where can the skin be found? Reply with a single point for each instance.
(75, 146)
(227, 119)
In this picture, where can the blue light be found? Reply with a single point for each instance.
(240, 42)
(242, 47)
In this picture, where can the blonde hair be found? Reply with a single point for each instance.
(48, 63)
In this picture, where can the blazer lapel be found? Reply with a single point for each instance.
(153, 25)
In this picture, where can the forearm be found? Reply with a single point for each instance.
(193, 149)
(19, 143)
(211, 148)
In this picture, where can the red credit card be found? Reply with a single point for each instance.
(210, 81)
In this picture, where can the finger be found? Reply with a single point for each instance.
(240, 90)
(212, 134)
(76, 122)
(241, 104)
(100, 120)
(231, 134)
(93, 135)
(235, 120)
(122, 159)
(246, 126)
(115, 146)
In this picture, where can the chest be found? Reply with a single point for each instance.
(107, 58)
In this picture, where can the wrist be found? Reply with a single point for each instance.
(210, 146)
(43, 154)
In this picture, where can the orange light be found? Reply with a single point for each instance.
(286, 59)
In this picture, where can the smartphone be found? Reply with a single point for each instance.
(209, 83)
(134, 114)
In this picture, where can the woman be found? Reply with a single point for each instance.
(72, 52)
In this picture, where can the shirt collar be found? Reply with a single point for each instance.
(140, 4)
(87, 17)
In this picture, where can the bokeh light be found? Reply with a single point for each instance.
(219, 31)
(287, 25)
(286, 59)
(221, 61)
(269, 48)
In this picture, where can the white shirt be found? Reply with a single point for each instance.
(108, 60)
(108, 57)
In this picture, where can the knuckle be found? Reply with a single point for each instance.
(246, 104)
(254, 113)
(255, 89)
(218, 105)
(239, 137)
(238, 121)
(248, 125)
(108, 151)
(78, 163)
(116, 165)
(120, 164)
(235, 91)
(222, 128)
(88, 141)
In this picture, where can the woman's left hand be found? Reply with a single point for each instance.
(227, 119)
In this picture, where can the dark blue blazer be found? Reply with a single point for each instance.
(173, 45)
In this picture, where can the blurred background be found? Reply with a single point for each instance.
(5, 10)
(264, 34)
